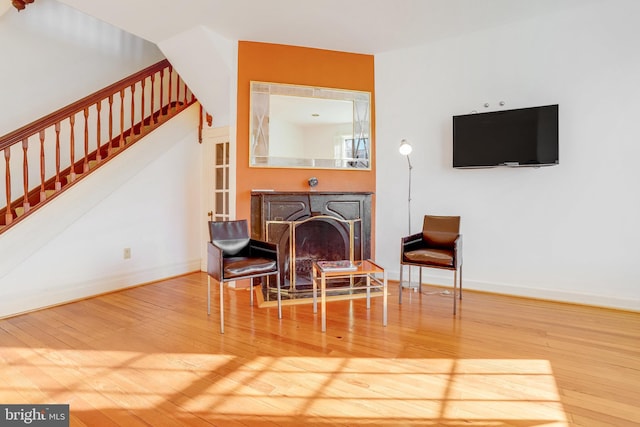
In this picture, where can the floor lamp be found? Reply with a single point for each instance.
(405, 149)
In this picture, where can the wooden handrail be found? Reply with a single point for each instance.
(51, 119)
(21, 4)
(42, 180)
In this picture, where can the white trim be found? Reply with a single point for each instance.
(22, 303)
(606, 301)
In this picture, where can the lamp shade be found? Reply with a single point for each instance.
(405, 148)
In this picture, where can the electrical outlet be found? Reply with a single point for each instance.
(127, 253)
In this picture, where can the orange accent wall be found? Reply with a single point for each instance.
(304, 66)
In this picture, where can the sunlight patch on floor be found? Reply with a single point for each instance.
(475, 390)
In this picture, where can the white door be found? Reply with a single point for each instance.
(216, 177)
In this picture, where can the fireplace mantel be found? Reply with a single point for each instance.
(269, 207)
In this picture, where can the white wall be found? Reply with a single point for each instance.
(146, 199)
(568, 232)
(289, 137)
(53, 55)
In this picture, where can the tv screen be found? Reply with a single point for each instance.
(521, 137)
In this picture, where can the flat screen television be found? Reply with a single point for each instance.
(520, 137)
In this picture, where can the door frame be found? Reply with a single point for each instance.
(211, 137)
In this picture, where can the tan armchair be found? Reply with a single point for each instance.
(439, 245)
(232, 255)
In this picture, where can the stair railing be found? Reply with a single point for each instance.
(47, 156)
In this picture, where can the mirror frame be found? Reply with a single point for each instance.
(260, 118)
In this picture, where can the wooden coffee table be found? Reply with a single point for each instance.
(366, 269)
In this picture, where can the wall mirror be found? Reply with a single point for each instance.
(309, 127)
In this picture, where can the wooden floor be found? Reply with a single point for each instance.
(150, 356)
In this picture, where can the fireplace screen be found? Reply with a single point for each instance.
(302, 242)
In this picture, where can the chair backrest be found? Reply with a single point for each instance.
(230, 236)
(440, 231)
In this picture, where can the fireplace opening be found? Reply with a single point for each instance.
(315, 239)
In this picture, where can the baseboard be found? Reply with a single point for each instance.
(20, 304)
(605, 301)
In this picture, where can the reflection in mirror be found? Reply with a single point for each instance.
(309, 127)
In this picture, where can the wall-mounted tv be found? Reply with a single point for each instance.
(520, 137)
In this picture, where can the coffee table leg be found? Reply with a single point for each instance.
(323, 301)
(368, 291)
(314, 280)
(384, 298)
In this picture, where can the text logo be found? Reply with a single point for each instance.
(34, 415)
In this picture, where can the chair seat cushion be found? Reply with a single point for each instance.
(242, 266)
(439, 257)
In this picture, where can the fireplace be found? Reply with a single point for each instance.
(316, 238)
(310, 226)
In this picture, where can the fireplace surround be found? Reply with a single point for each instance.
(310, 226)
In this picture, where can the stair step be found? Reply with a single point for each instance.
(69, 180)
(20, 209)
(145, 129)
(92, 164)
(48, 193)
(78, 175)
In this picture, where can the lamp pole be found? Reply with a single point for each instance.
(409, 199)
(405, 149)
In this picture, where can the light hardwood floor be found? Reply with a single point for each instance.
(150, 356)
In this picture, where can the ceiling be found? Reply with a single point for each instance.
(184, 30)
(360, 26)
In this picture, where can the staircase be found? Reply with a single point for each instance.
(48, 156)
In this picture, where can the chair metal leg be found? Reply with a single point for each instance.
(400, 286)
(208, 295)
(279, 298)
(251, 292)
(221, 307)
(460, 282)
(420, 279)
(455, 288)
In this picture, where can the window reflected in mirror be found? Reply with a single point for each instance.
(309, 127)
